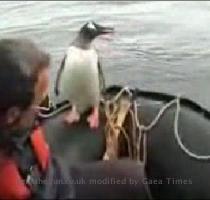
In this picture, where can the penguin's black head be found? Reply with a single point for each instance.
(91, 30)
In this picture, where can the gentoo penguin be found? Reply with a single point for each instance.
(80, 77)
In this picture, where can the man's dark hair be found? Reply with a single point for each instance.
(20, 62)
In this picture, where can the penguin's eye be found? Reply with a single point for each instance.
(91, 26)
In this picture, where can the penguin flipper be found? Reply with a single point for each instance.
(57, 82)
(102, 84)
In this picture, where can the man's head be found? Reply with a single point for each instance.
(23, 79)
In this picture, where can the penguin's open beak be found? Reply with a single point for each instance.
(104, 30)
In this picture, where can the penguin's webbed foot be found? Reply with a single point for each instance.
(72, 116)
(93, 118)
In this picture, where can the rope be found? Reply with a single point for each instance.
(112, 130)
(142, 129)
(158, 116)
(181, 145)
(176, 132)
(52, 113)
(134, 138)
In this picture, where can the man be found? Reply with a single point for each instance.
(27, 167)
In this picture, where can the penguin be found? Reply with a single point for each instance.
(80, 78)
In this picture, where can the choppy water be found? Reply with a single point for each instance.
(160, 46)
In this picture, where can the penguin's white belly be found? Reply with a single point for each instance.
(80, 79)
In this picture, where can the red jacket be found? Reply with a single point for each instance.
(12, 186)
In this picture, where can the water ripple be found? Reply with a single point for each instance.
(162, 46)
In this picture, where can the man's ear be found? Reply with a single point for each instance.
(13, 114)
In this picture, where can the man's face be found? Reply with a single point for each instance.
(17, 118)
(41, 87)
